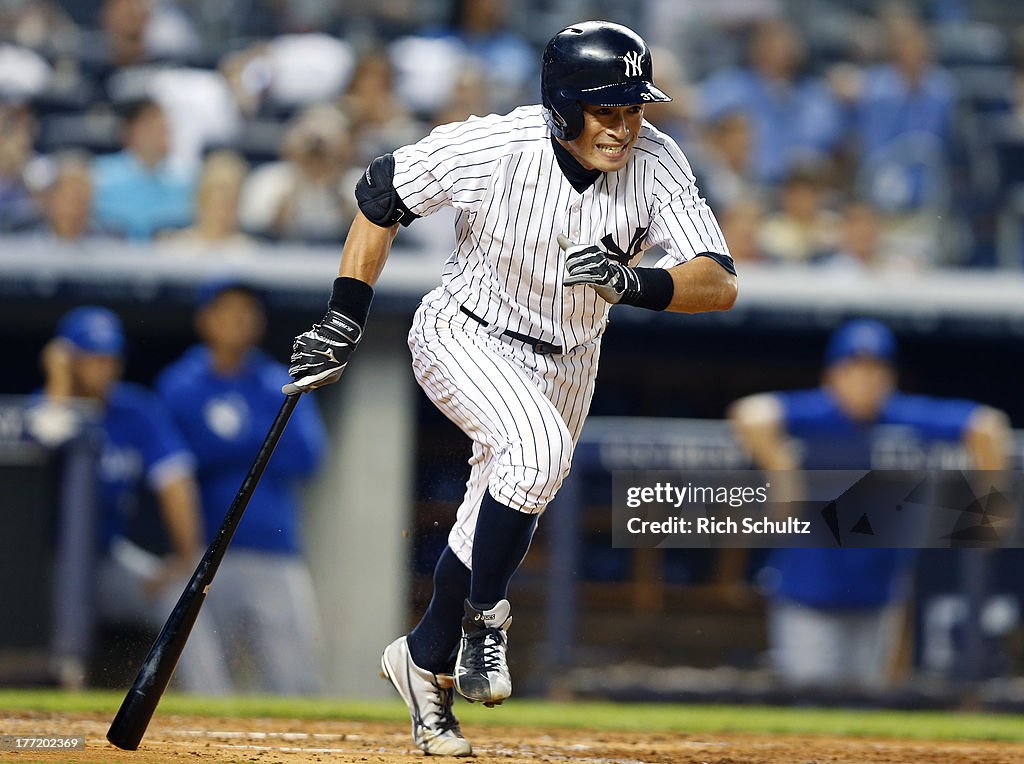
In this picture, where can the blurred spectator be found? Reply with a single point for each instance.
(469, 97)
(910, 95)
(216, 223)
(142, 450)
(24, 73)
(861, 238)
(861, 248)
(380, 121)
(835, 615)
(506, 61)
(303, 16)
(68, 199)
(170, 34)
(41, 25)
(120, 41)
(740, 223)
(289, 72)
(124, 27)
(425, 72)
(1013, 120)
(134, 37)
(722, 160)
(794, 118)
(198, 104)
(429, 64)
(308, 194)
(388, 19)
(223, 395)
(674, 117)
(704, 33)
(1005, 131)
(139, 192)
(903, 125)
(17, 133)
(134, 32)
(803, 228)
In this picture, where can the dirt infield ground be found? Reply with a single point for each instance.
(180, 739)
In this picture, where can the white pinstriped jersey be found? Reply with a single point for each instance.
(511, 199)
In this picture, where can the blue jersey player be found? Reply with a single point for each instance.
(835, 613)
(141, 450)
(223, 394)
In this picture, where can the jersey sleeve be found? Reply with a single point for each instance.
(165, 457)
(682, 222)
(451, 166)
(931, 418)
(809, 412)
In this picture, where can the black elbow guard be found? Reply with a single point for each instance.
(378, 200)
(725, 261)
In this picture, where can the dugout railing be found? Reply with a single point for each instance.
(48, 480)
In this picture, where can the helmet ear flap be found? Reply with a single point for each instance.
(565, 116)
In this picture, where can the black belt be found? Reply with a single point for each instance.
(539, 346)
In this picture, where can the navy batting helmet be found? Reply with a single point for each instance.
(598, 63)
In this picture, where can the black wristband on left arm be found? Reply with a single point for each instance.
(656, 289)
(351, 297)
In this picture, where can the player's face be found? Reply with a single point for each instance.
(93, 375)
(609, 133)
(861, 386)
(232, 322)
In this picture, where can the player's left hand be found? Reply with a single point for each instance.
(589, 264)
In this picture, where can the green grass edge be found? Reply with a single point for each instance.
(633, 717)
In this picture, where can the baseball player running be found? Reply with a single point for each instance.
(555, 204)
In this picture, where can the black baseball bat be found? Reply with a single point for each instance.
(137, 709)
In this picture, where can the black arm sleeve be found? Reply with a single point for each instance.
(378, 200)
(724, 260)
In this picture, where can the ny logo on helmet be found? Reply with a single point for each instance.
(632, 60)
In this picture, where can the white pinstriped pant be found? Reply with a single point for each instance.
(522, 410)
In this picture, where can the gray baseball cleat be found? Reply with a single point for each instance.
(481, 671)
(429, 697)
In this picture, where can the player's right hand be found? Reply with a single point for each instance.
(590, 265)
(320, 355)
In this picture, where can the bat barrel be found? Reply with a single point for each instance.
(132, 719)
(137, 708)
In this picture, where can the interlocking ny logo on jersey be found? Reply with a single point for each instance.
(632, 60)
(616, 253)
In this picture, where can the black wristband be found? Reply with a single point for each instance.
(352, 297)
(655, 292)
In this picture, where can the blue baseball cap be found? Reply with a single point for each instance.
(212, 288)
(861, 337)
(92, 329)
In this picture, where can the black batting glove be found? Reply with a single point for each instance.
(320, 355)
(590, 265)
